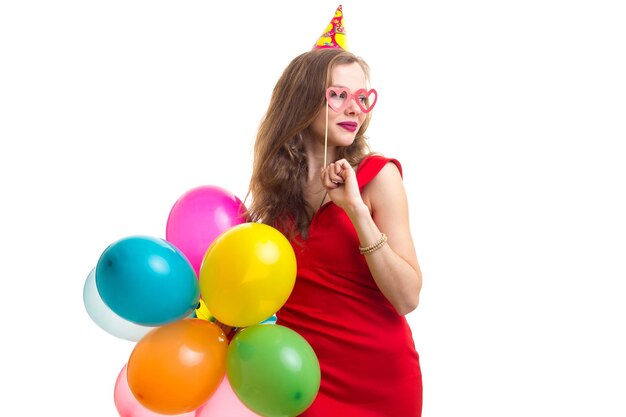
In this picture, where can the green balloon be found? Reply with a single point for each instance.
(273, 370)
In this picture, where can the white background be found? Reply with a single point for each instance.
(509, 120)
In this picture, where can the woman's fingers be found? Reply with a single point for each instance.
(331, 177)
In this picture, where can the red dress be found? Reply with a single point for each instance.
(369, 364)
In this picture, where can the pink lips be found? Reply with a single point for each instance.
(349, 126)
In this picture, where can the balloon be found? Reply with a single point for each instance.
(247, 274)
(175, 368)
(199, 216)
(273, 370)
(126, 403)
(202, 312)
(107, 319)
(224, 403)
(147, 281)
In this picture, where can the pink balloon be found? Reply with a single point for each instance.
(199, 216)
(224, 403)
(128, 406)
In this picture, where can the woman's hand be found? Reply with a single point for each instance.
(339, 180)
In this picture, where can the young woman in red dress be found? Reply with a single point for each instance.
(346, 213)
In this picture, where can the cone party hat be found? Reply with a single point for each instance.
(334, 35)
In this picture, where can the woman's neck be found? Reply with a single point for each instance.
(316, 155)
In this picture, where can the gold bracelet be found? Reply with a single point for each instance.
(374, 246)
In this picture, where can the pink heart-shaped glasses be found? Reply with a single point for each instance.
(338, 98)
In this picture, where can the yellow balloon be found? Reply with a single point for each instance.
(202, 312)
(247, 274)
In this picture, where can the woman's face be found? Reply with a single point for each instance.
(343, 125)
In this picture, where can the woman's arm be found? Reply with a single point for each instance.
(383, 208)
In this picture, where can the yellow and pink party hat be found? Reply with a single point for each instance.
(334, 35)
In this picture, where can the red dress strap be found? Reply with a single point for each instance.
(370, 166)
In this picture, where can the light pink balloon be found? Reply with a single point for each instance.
(198, 217)
(224, 403)
(128, 406)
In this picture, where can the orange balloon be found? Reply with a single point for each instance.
(175, 368)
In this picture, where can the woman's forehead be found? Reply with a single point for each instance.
(346, 75)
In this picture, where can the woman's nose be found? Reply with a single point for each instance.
(353, 108)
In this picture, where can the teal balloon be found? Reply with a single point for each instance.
(147, 281)
(273, 370)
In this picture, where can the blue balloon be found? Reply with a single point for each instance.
(147, 281)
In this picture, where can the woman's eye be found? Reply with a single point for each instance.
(363, 99)
(332, 94)
(343, 95)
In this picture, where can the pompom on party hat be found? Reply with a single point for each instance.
(334, 35)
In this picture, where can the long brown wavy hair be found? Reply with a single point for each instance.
(280, 166)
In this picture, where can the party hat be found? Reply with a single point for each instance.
(334, 35)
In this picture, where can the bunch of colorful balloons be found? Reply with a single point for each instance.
(147, 290)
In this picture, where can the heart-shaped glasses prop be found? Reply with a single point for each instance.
(338, 98)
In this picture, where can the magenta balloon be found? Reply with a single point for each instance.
(224, 403)
(128, 406)
(199, 216)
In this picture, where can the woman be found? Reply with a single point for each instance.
(345, 212)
